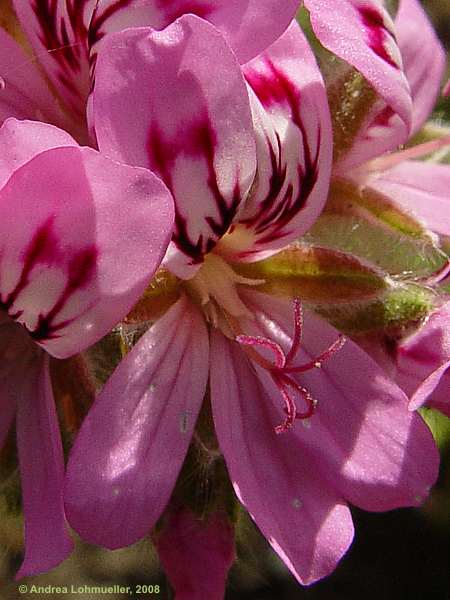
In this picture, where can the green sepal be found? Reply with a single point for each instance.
(317, 276)
(367, 224)
(351, 294)
(397, 310)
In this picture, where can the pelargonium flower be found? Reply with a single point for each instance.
(413, 195)
(80, 236)
(65, 36)
(249, 170)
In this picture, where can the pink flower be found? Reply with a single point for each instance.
(417, 188)
(362, 33)
(80, 236)
(223, 339)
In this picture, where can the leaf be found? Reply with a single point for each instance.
(439, 425)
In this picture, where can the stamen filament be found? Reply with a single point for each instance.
(298, 330)
(281, 369)
(280, 359)
(317, 362)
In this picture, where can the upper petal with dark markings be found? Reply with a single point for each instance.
(158, 103)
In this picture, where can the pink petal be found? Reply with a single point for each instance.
(440, 399)
(300, 514)
(57, 31)
(434, 390)
(21, 140)
(24, 93)
(423, 58)
(248, 27)
(362, 33)
(362, 437)
(42, 472)
(158, 103)
(80, 237)
(294, 144)
(423, 189)
(424, 358)
(132, 444)
(196, 554)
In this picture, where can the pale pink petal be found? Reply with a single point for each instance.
(21, 140)
(362, 33)
(57, 30)
(423, 189)
(362, 437)
(80, 237)
(424, 357)
(300, 514)
(434, 390)
(132, 444)
(440, 398)
(41, 463)
(159, 104)
(24, 92)
(248, 26)
(196, 554)
(293, 132)
(423, 58)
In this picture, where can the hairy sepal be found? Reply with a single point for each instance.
(317, 275)
(364, 222)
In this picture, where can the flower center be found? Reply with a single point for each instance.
(214, 287)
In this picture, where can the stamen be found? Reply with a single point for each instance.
(281, 368)
(298, 330)
(249, 340)
(284, 382)
(317, 362)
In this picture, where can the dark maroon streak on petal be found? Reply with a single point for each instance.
(276, 213)
(80, 273)
(377, 33)
(44, 249)
(99, 18)
(71, 53)
(198, 140)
